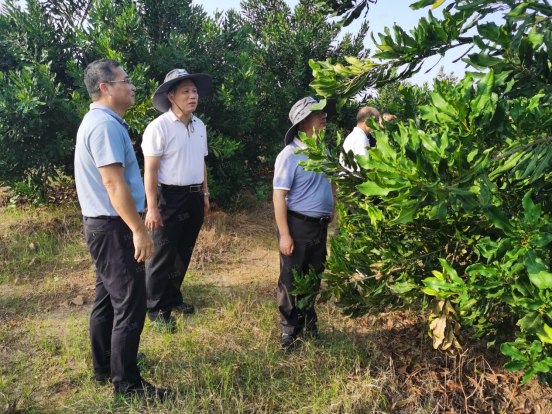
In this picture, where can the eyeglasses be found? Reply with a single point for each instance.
(127, 81)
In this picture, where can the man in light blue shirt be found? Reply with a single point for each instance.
(111, 195)
(94, 151)
(308, 193)
(303, 205)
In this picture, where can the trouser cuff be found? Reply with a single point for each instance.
(291, 330)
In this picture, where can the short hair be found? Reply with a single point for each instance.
(175, 86)
(98, 72)
(365, 113)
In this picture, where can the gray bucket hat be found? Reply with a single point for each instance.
(202, 82)
(303, 108)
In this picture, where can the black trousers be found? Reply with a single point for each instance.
(309, 241)
(182, 214)
(119, 308)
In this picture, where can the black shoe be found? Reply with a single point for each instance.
(185, 308)
(288, 341)
(163, 326)
(145, 390)
(102, 378)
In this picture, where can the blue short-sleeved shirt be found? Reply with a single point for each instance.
(102, 139)
(309, 193)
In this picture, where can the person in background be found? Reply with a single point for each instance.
(303, 206)
(175, 176)
(360, 139)
(111, 195)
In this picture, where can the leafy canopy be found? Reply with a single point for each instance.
(258, 59)
(451, 210)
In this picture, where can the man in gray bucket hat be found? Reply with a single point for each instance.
(175, 180)
(303, 206)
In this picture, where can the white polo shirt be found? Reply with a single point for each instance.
(182, 150)
(357, 141)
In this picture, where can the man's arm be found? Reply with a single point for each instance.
(280, 212)
(151, 168)
(205, 189)
(119, 194)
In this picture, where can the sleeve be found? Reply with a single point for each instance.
(153, 141)
(107, 144)
(284, 171)
(360, 146)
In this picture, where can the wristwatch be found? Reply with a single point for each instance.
(206, 193)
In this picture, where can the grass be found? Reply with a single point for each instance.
(226, 357)
(223, 359)
(39, 240)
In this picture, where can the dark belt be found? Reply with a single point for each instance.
(308, 219)
(104, 218)
(194, 188)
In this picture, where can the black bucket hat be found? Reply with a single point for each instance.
(303, 108)
(202, 81)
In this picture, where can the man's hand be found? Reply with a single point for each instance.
(286, 245)
(206, 205)
(153, 219)
(143, 245)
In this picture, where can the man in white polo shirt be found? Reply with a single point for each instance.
(175, 178)
(360, 139)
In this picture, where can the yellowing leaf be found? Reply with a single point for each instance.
(449, 337)
(448, 308)
(437, 4)
(437, 327)
(547, 336)
(438, 274)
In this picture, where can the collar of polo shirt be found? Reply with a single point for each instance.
(299, 143)
(175, 118)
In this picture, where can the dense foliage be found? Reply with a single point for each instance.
(258, 59)
(451, 210)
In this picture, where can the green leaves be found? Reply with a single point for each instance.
(532, 323)
(499, 219)
(538, 271)
(531, 212)
(406, 215)
(373, 189)
(511, 351)
(462, 181)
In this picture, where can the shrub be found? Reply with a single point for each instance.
(451, 210)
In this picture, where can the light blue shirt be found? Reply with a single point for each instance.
(102, 140)
(309, 193)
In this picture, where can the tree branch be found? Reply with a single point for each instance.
(531, 144)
